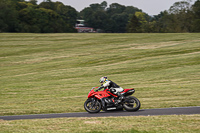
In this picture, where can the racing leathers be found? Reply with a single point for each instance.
(114, 88)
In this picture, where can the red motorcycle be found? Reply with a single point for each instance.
(105, 100)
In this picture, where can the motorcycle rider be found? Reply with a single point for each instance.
(113, 87)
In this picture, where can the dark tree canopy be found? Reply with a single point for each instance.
(54, 17)
(27, 16)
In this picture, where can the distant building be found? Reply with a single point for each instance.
(80, 23)
(81, 28)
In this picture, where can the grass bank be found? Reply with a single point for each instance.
(52, 73)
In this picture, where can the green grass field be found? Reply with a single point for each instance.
(131, 124)
(53, 73)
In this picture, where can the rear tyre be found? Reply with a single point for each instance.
(131, 103)
(92, 107)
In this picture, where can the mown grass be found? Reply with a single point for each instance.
(131, 124)
(53, 73)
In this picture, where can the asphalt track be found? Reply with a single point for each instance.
(142, 112)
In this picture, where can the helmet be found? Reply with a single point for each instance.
(103, 79)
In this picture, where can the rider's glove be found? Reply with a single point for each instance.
(99, 88)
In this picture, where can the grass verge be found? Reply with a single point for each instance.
(132, 124)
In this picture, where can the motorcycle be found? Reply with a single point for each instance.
(105, 100)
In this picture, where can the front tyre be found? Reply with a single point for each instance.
(92, 106)
(131, 103)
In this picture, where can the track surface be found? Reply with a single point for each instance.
(142, 112)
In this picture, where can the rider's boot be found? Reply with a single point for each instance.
(120, 97)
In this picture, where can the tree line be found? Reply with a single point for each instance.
(55, 17)
(47, 17)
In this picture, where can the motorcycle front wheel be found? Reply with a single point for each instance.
(91, 106)
(131, 103)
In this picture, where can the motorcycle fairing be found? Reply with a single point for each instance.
(102, 94)
(128, 92)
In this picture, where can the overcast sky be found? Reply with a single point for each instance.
(151, 7)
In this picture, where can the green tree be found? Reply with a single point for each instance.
(47, 4)
(34, 2)
(110, 19)
(120, 15)
(181, 16)
(104, 5)
(131, 10)
(177, 19)
(134, 25)
(121, 20)
(144, 24)
(34, 19)
(8, 17)
(196, 20)
(95, 16)
(162, 22)
(115, 8)
(67, 13)
(141, 17)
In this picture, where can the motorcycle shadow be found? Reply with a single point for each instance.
(119, 111)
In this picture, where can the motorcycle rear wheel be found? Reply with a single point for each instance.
(92, 107)
(131, 103)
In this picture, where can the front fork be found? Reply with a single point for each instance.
(93, 102)
(103, 103)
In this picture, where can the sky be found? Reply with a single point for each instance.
(151, 7)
